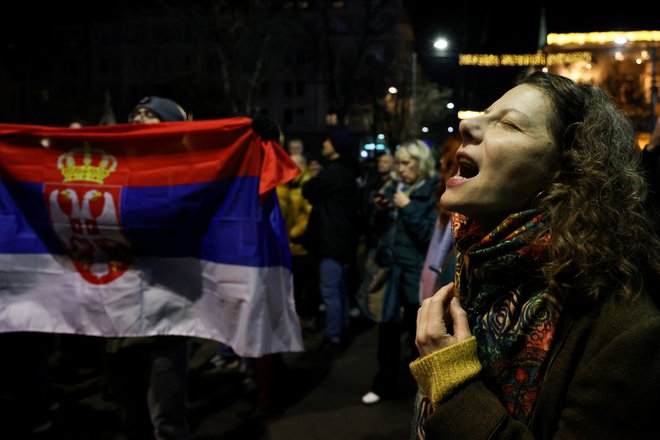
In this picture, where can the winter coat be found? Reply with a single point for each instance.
(600, 376)
(333, 224)
(295, 211)
(602, 382)
(413, 227)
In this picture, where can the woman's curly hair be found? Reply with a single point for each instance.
(602, 236)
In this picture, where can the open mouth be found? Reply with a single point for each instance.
(467, 168)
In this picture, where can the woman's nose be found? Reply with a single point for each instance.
(469, 129)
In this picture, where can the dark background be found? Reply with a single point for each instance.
(471, 27)
(499, 27)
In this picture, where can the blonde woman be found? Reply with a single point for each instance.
(405, 216)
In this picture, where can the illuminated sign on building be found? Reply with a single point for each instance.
(535, 59)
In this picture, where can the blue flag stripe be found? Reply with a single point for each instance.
(220, 221)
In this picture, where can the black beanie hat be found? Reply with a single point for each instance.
(166, 109)
(343, 141)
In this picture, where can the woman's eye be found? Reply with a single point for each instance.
(509, 124)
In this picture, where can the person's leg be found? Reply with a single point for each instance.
(331, 272)
(410, 282)
(168, 390)
(345, 302)
(126, 376)
(25, 389)
(389, 354)
(298, 273)
(306, 277)
(269, 374)
(409, 328)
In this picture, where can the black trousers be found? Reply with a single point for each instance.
(387, 380)
(149, 382)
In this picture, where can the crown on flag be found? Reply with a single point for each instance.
(80, 165)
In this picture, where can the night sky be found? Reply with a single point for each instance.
(471, 27)
(505, 27)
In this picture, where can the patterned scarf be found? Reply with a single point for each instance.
(512, 313)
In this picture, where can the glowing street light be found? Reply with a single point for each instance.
(441, 43)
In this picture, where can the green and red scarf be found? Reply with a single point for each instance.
(512, 313)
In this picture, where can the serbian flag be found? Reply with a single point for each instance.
(138, 230)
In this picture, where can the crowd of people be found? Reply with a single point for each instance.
(523, 260)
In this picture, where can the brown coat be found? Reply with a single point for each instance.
(603, 382)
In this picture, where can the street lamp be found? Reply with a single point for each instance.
(441, 43)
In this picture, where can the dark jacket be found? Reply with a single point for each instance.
(602, 382)
(333, 224)
(413, 227)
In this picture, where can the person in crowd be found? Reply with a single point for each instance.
(384, 176)
(295, 146)
(148, 376)
(154, 110)
(314, 163)
(78, 123)
(267, 372)
(406, 213)
(296, 211)
(551, 328)
(331, 234)
(438, 267)
(27, 398)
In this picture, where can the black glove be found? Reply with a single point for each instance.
(266, 127)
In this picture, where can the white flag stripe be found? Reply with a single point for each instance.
(249, 308)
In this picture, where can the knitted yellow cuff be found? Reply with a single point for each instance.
(439, 373)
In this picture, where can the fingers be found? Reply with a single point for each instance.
(432, 326)
(401, 199)
(459, 320)
(435, 306)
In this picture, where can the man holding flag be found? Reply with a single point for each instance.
(132, 231)
(148, 375)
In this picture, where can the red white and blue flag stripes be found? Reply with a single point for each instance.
(137, 229)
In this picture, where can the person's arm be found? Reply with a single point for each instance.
(301, 219)
(419, 217)
(603, 382)
(321, 186)
(448, 351)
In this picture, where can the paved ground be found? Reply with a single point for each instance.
(322, 399)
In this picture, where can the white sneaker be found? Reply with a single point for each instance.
(370, 398)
